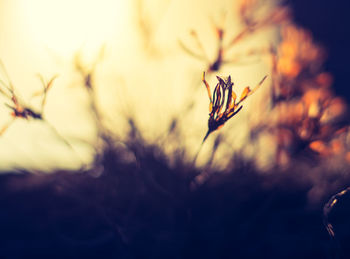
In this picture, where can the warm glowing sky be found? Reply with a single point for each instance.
(42, 36)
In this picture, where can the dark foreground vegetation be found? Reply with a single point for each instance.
(151, 211)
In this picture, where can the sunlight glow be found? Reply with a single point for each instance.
(144, 73)
(64, 26)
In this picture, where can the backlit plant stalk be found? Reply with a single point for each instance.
(221, 109)
(223, 105)
(20, 110)
(252, 22)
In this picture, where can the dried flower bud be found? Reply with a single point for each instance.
(223, 104)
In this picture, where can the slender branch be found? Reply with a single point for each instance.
(328, 207)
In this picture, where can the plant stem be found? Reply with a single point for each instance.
(200, 147)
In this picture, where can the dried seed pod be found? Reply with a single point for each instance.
(221, 109)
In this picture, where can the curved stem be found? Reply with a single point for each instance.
(328, 208)
(200, 147)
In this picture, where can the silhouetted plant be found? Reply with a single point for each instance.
(221, 109)
(248, 15)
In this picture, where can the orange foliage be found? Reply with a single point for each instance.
(306, 114)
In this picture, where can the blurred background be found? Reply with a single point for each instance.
(141, 69)
(328, 23)
(103, 113)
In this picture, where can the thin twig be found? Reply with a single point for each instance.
(328, 207)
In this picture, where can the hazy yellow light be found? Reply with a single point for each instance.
(65, 26)
(32, 35)
(153, 88)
